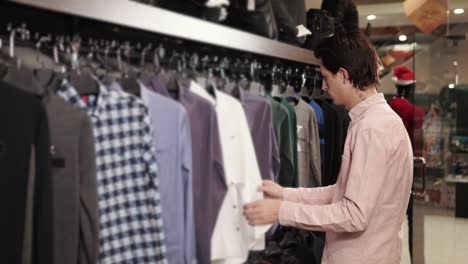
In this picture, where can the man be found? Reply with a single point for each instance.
(362, 213)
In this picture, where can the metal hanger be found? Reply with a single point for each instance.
(10, 59)
(83, 82)
(148, 70)
(289, 92)
(39, 75)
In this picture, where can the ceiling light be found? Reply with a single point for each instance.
(451, 86)
(459, 11)
(402, 38)
(371, 17)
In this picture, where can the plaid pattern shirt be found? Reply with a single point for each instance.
(130, 217)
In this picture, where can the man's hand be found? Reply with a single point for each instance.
(271, 190)
(262, 212)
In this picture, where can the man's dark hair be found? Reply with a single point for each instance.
(353, 52)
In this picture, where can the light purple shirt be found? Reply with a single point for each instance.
(363, 212)
(172, 141)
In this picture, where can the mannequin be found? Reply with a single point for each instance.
(412, 115)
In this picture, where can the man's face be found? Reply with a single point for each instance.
(337, 86)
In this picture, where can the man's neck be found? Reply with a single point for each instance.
(361, 96)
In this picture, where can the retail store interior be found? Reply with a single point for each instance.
(254, 46)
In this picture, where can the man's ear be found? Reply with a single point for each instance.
(345, 74)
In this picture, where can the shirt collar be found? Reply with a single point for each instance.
(241, 95)
(256, 88)
(156, 86)
(362, 107)
(68, 92)
(200, 91)
(115, 86)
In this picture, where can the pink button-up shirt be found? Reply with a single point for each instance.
(363, 212)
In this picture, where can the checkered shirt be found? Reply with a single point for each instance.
(130, 217)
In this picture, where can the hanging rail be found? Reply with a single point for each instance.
(152, 19)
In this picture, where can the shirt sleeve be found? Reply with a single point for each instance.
(149, 160)
(217, 170)
(89, 221)
(364, 182)
(314, 146)
(275, 159)
(287, 164)
(186, 154)
(319, 195)
(419, 115)
(275, 156)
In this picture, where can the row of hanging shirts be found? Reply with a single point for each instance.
(154, 164)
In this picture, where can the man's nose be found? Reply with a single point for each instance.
(324, 86)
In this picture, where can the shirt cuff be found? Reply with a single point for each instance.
(291, 195)
(286, 213)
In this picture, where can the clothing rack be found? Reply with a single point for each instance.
(108, 39)
(156, 20)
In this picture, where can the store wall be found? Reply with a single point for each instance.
(313, 4)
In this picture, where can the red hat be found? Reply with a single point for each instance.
(403, 75)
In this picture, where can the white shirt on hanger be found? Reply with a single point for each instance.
(233, 237)
(201, 91)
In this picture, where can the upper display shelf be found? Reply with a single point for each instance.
(152, 19)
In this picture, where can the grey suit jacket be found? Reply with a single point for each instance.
(75, 184)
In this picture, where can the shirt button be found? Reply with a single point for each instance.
(238, 229)
(234, 206)
(52, 150)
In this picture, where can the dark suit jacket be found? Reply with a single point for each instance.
(23, 125)
(336, 128)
